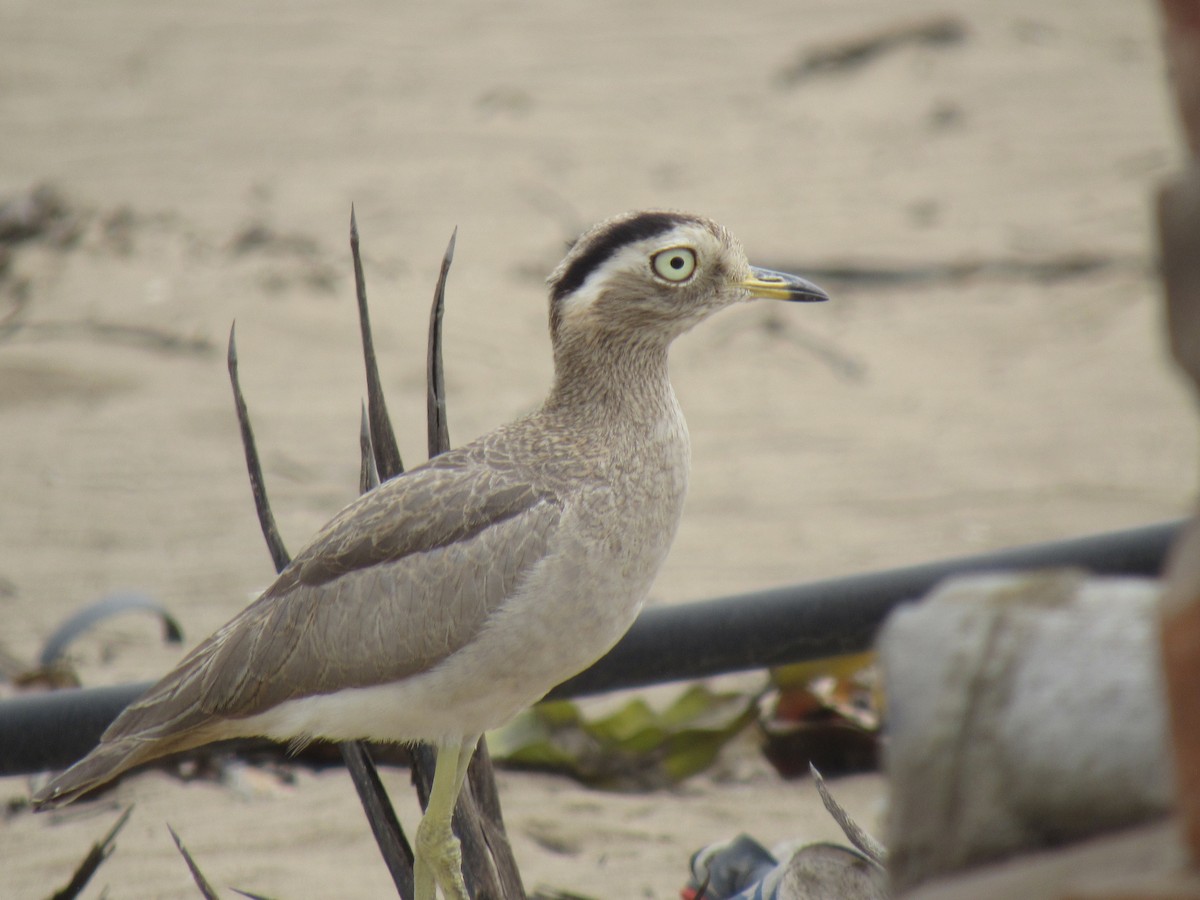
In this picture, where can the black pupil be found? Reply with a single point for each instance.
(676, 262)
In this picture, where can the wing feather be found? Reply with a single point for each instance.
(395, 583)
(398, 581)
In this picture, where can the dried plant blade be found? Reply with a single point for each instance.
(387, 451)
(439, 431)
(80, 621)
(478, 871)
(389, 836)
(388, 465)
(488, 863)
(397, 853)
(379, 453)
(368, 474)
(385, 826)
(251, 894)
(206, 890)
(99, 852)
(424, 756)
(394, 847)
(482, 780)
(869, 846)
(266, 520)
(378, 440)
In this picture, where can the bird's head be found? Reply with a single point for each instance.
(653, 275)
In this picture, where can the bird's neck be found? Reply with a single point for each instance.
(607, 379)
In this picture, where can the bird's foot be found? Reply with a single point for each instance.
(438, 862)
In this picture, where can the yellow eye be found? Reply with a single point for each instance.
(676, 264)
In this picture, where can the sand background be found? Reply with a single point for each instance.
(212, 152)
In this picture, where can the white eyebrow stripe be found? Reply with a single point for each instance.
(587, 293)
(627, 258)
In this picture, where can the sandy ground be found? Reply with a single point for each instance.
(970, 408)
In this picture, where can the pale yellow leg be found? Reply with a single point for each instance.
(438, 857)
(466, 753)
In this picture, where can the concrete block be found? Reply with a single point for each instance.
(1024, 710)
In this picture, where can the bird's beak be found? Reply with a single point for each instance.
(781, 286)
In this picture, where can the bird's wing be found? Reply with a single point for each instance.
(393, 585)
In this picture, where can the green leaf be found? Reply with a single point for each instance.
(634, 746)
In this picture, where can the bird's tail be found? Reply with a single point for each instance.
(168, 718)
(103, 764)
(110, 759)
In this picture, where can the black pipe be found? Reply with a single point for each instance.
(51, 730)
(669, 643)
(828, 618)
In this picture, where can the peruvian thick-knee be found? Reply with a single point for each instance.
(448, 599)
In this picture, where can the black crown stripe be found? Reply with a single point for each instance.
(606, 243)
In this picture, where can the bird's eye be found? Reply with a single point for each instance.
(676, 264)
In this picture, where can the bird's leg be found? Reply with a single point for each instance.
(464, 763)
(438, 857)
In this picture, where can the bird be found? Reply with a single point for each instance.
(443, 602)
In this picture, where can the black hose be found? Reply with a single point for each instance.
(670, 643)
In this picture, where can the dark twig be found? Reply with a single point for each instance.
(266, 520)
(101, 850)
(368, 473)
(439, 432)
(486, 851)
(397, 853)
(392, 844)
(488, 863)
(424, 760)
(206, 889)
(380, 441)
(478, 870)
(482, 780)
(387, 451)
